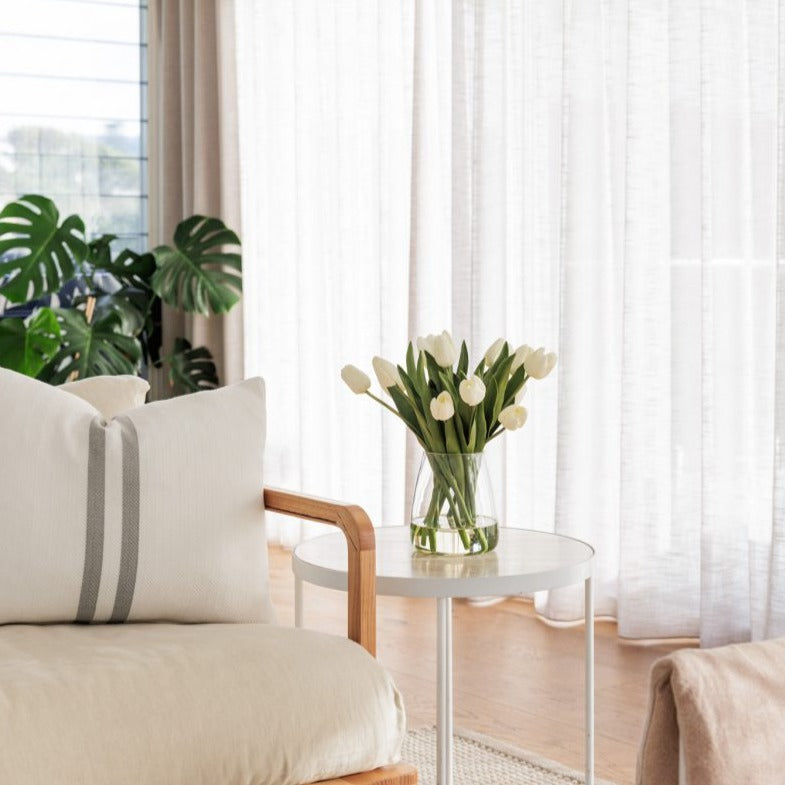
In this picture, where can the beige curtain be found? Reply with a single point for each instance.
(193, 150)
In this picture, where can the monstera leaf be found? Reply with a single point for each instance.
(38, 254)
(91, 348)
(26, 345)
(193, 274)
(130, 306)
(128, 267)
(191, 370)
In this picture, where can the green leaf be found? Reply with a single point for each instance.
(435, 431)
(26, 345)
(502, 379)
(465, 414)
(411, 365)
(481, 432)
(406, 411)
(453, 436)
(91, 349)
(43, 254)
(193, 274)
(422, 382)
(434, 371)
(504, 354)
(449, 383)
(514, 385)
(191, 370)
(128, 267)
(129, 305)
(488, 405)
(413, 394)
(463, 361)
(495, 431)
(471, 443)
(99, 251)
(429, 428)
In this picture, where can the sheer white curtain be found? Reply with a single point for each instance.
(601, 177)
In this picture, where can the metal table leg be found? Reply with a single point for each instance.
(444, 691)
(298, 601)
(589, 680)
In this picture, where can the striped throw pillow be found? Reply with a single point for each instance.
(153, 515)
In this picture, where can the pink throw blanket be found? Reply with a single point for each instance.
(727, 707)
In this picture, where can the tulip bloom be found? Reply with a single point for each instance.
(472, 391)
(357, 381)
(442, 407)
(493, 351)
(440, 347)
(539, 364)
(513, 417)
(386, 373)
(521, 353)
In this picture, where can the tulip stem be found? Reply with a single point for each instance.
(383, 403)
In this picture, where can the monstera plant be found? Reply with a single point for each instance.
(73, 307)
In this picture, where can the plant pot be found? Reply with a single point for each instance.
(453, 512)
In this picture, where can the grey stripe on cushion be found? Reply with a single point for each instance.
(94, 534)
(129, 549)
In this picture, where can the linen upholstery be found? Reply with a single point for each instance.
(110, 394)
(153, 515)
(161, 704)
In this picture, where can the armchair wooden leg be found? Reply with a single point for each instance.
(400, 774)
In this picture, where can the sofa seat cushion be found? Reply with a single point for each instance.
(209, 704)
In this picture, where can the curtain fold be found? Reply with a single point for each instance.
(601, 177)
(194, 151)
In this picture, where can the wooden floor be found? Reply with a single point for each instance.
(516, 678)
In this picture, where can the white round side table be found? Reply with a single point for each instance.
(525, 561)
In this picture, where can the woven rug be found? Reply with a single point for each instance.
(479, 760)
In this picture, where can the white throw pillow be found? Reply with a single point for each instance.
(111, 395)
(156, 515)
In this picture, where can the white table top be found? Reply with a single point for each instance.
(524, 561)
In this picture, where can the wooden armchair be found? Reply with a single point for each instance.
(361, 544)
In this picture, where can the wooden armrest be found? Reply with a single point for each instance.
(361, 543)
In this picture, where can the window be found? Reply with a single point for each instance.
(73, 118)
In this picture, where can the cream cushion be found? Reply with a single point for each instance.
(161, 704)
(155, 515)
(111, 395)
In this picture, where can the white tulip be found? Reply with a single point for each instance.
(513, 417)
(386, 373)
(539, 364)
(425, 343)
(445, 352)
(357, 381)
(472, 391)
(442, 407)
(493, 351)
(440, 347)
(521, 394)
(521, 353)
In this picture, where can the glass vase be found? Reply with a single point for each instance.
(453, 511)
